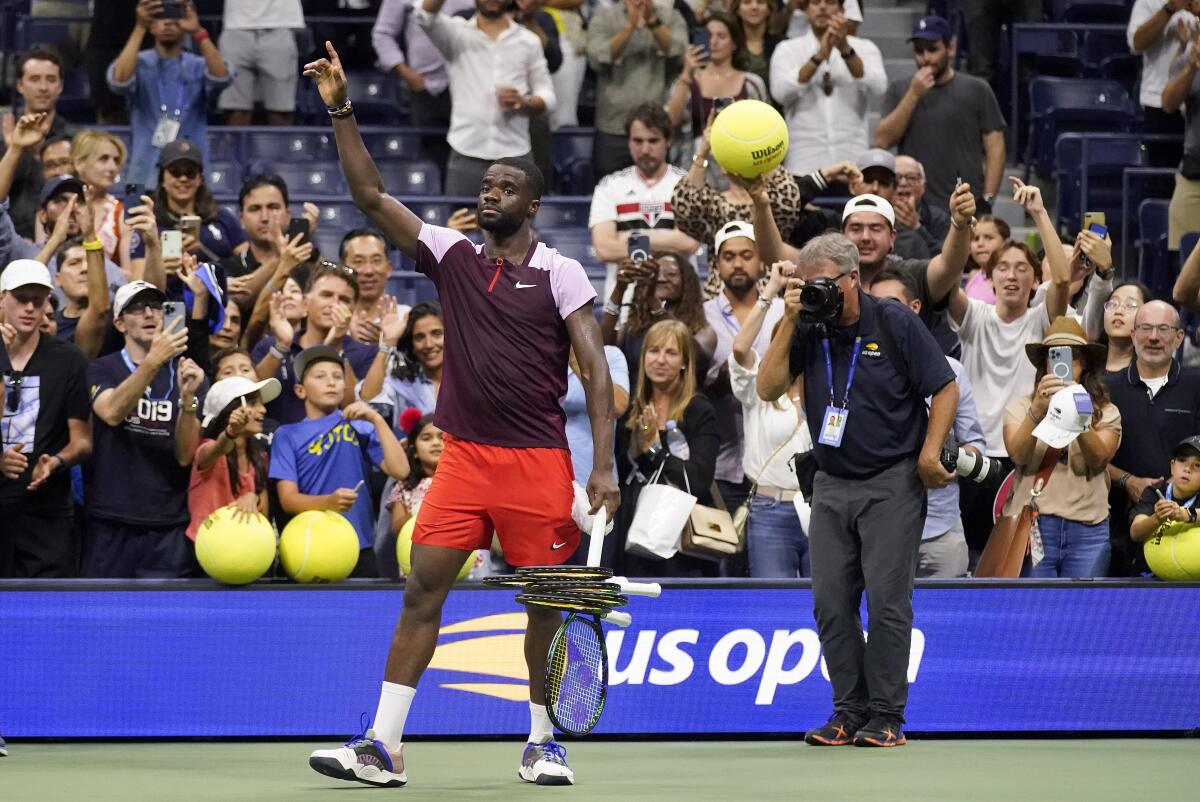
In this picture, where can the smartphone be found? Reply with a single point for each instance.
(172, 311)
(1060, 362)
(133, 196)
(190, 223)
(1094, 218)
(703, 38)
(171, 9)
(1099, 230)
(172, 244)
(298, 225)
(721, 103)
(639, 246)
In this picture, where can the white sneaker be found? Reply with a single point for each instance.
(545, 764)
(363, 759)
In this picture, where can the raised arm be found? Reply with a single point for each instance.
(89, 332)
(994, 155)
(1186, 291)
(397, 222)
(774, 373)
(113, 406)
(1059, 292)
(395, 461)
(945, 269)
(771, 247)
(892, 125)
(743, 343)
(123, 68)
(598, 391)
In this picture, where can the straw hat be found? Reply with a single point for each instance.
(1066, 330)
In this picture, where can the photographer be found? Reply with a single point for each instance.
(868, 367)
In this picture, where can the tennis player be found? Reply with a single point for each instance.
(513, 309)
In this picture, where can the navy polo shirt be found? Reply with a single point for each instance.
(888, 416)
(1151, 427)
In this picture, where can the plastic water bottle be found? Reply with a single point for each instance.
(677, 444)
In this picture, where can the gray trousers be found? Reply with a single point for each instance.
(464, 174)
(864, 534)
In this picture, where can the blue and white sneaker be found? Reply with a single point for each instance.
(545, 764)
(363, 759)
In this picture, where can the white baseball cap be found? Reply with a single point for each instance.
(24, 272)
(1068, 416)
(732, 230)
(127, 293)
(228, 390)
(870, 203)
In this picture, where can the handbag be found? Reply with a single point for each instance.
(709, 532)
(742, 516)
(1008, 543)
(658, 521)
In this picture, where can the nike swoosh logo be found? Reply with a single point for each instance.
(556, 546)
(521, 286)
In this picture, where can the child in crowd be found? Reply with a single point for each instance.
(230, 469)
(1167, 507)
(988, 233)
(321, 462)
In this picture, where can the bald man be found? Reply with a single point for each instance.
(1159, 401)
(912, 212)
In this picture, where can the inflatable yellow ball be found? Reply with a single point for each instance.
(235, 551)
(749, 138)
(404, 550)
(1175, 553)
(318, 546)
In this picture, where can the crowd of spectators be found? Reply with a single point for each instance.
(165, 355)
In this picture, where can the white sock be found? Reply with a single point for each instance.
(394, 701)
(540, 728)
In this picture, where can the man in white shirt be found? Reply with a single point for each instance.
(740, 267)
(498, 80)
(1154, 31)
(825, 80)
(258, 41)
(638, 198)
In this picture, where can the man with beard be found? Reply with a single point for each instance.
(943, 119)
(514, 309)
(740, 268)
(637, 199)
(498, 80)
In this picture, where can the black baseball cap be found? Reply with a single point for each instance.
(310, 356)
(1187, 447)
(59, 184)
(181, 150)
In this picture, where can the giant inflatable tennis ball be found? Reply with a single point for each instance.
(1174, 554)
(404, 550)
(749, 138)
(318, 546)
(232, 551)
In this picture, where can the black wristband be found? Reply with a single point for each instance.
(849, 54)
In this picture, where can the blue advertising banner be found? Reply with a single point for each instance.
(290, 662)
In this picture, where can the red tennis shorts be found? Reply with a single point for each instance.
(523, 494)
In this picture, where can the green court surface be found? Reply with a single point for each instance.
(930, 771)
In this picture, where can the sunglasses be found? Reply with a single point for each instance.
(12, 400)
(138, 307)
(182, 171)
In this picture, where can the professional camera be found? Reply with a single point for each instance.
(970, 465)
(821, 301)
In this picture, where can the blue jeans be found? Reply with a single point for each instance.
(775, 539)
(1072, 550)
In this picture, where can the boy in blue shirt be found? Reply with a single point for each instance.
(323, 462)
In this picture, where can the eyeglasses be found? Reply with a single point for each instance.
(1113, 306)
(12, 400)
(1162, 328)
(184, 171)
(138, 307)
(908, 178)
(334, 267)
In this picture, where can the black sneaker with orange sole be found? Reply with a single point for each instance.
(838, 731)
(880, 731)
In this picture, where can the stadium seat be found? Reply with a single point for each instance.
(1097, 11)
(1155, 270)
(293, 146)
(314, 178)
(420, 177)
(1107, 157)
(339, 216)
(577, 178)
(433, 213)
(374, 98)
(224, 177)
(575, 243)
(572, 153)
(1106, 55)
(223, 145)
(401, 145)
(1060, 105)
(564, 212)
(42, 30)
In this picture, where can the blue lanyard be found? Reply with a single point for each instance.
(1171, 496)
(181, 88)
(849, 378)
(132, 368)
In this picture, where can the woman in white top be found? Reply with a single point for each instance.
(774, 433)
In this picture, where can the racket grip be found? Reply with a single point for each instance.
(620, 619)
(596, 542)
(651, 589)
